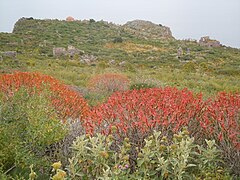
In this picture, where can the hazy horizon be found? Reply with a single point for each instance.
(219, 19)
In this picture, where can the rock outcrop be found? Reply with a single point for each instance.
(10, 54)
(148, 30)
(88, 59)
(59, 51)
(18, 24)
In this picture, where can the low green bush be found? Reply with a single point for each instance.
(28, 126)
(141, 86)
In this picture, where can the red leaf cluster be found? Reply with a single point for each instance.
(67, 102)
(146, 109)
(221, 119)
(169, 109)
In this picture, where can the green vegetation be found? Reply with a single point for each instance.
(159, 158)
(29, 125)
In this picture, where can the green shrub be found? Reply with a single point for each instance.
(117, 40)
(92, 21)
(141, 86)
(178, 158)
(94, 157)
(28, 126)
(189, 67)
(107, 157)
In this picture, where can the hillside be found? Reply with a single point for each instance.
(139, 49)
(81, 99)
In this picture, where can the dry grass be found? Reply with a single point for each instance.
(133, 47)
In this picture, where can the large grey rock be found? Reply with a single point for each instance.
(11, 54)
(59, 51)
(72, 51)
(88, 59)
(122, 64)
(180, 52)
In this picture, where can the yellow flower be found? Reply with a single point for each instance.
(126, 139)
(57, 165)
(104, 154)
(110, 137)
(162, 148)
(114, 128)
(127, 145)
(60, 175)
(32, 175)
(126, 158)
(164, 138)
(140, 155)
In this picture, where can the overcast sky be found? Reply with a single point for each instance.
(220, 19)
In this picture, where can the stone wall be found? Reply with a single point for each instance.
(206, 41)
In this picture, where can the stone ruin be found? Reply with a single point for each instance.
(206, 41)
(71, 51)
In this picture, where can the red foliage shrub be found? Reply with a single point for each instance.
(146, 109)
(221, 119)
(68, 103)
(137, 113)
(170, 109)
(108, 83)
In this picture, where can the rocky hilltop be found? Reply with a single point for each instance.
(137, 28)
(148, 30)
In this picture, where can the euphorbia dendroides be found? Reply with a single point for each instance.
(67, 102)
(222, 118)
(169, 109)
(146, 109)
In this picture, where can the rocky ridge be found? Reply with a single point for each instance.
(148, 30)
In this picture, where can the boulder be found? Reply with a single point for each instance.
(11, 54)
(88, 59)
(59, 51)
(112, 62)
(123, 63)
(180, 52)
(72, 51)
